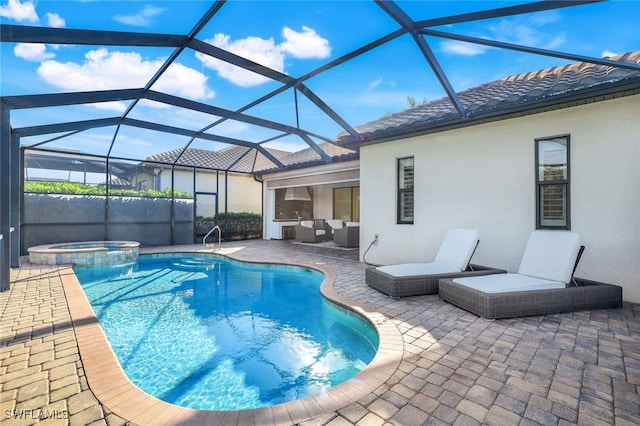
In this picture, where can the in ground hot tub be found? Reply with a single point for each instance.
(86, 254)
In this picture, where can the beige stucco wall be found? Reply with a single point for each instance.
(244, 192)
(483, 177)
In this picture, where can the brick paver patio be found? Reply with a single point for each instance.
(452, 367)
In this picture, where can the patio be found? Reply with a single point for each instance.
(455, 368)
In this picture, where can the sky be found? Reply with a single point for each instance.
(292, 37)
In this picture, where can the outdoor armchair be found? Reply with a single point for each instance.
(308, 232)
(347, 236)
(330, 225)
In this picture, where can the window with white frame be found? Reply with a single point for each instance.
(405, 190)
(552, 183)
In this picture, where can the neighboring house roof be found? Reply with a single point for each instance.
(193, 157)
(520, 94)
(118, 181)
(242, 159)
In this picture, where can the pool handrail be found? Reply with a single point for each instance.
(204, 239)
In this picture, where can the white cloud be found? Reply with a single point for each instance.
(264, 52)
(547, 17)
(529, 31)
(142, 18)
(19, 11)
(37, 52)
(374, 84)
(104, 70)
(462, 48)
(55, 20)
(306, 44)
(609, 54)
(526, 31)
(183, 81)
(556, 42)
(34, 52)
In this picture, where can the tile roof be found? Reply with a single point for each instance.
(243, 159)
(496, 99)
(518, 93)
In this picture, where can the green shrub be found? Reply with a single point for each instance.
(74, 188)
(234, 226)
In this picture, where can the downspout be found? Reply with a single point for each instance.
(157, 179)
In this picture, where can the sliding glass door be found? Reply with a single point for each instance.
(346, 204)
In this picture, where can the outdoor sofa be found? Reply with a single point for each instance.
(412, 279)
(544, 283)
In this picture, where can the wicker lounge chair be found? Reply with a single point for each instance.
(544, 283)
(412, 279)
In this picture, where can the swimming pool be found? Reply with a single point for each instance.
(214, 334)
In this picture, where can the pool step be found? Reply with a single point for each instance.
(194, 264)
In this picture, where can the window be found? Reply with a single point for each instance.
(405, 190)
(346, 204)
(552, 183)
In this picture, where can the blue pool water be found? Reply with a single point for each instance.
(211, 333)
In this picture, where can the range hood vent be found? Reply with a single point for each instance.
(297, 193)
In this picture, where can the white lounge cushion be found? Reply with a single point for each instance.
(501, 283)
(411, 269)
(349, 224)
(307, 223)
(335, 223)
(551, 255)
(457, 247)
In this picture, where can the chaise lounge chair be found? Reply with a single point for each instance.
(544, 283)
(412, 279)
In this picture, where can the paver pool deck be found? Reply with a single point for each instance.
(438, 364)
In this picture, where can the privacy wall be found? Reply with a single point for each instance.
(52, 219)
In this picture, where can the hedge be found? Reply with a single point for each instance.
(234, 226)
(74, 188)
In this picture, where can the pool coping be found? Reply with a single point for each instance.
(117, 393)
